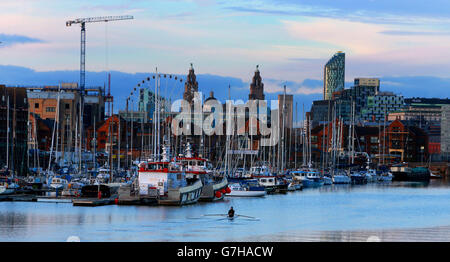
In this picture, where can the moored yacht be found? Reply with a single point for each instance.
(308, 178)
(6, 186)
(340, 177)
(244, 190)
(357, 178)
(58, 183)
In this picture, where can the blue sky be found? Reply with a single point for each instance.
(291, 40)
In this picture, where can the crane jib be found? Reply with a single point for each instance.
(98, 19)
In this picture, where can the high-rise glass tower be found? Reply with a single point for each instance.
(334, 75)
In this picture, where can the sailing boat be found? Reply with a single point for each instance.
(338, 176)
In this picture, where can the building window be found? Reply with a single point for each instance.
(36, 105)
(50, 109)
(373, 139)
(67, 106)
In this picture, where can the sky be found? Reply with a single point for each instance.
(403, 42)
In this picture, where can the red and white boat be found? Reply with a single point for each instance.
(215, 186)
(168, 182)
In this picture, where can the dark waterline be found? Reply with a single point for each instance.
(329, 213)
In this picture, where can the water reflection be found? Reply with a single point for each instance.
(432, 234)
(389, 211)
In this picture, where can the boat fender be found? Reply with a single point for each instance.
(218, 194)
(228, 190)
(223, 191)
(116, 201)
(99, 194)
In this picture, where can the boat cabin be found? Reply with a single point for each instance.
(161, 176)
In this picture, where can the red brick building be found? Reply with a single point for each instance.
(397, 142)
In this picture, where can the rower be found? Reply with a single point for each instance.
(231, 212)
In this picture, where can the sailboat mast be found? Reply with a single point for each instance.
(8, 131)
(295, 138)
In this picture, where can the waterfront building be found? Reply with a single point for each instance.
(190, 86)
(147, 104)
(321, 111)
(256, 86)
(43, 102)
(286, 116)
(424, 113)
(380, 105)
(445, 132)
(363, 88)
(136, 116)
(342, 101)
(334, 75)
(406, 143)
(397, 142)
(117, 137)
(14, 129)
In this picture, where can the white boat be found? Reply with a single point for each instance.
(385, 177)
(73, 189)
(58, 183)
(259, 171)
(371, 175)
(168, 183)
(358, 177)
(272, 184)
(308, 178)
(103, 176)
(238, 190)
(341, 178)
(327, 180)
(6, 187)
(291, 186)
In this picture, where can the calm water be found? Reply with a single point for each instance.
(397, 211)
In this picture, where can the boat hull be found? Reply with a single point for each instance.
(339, 179)
(327, 181)
(358, 180)
(237, 193)
(182, 196)
(307, 183)
(209, 191)
(6, 191)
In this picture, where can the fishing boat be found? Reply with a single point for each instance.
(308, 178)
(168, 183)
(214, 185)
(272, 184)
(244, 190)
(58, 183)
(404, 173)
(7, 187)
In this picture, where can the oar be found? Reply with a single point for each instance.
(248, 217)
(215, 215)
